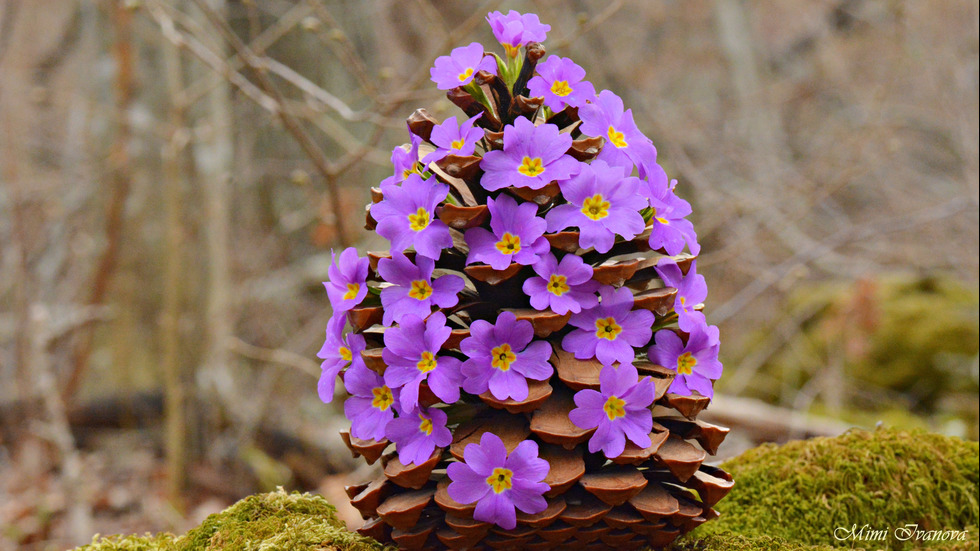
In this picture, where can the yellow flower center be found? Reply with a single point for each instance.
(457, 144)
(595, 207)
(614, 408)
(427, 363)
(558, 285)
(663, 221)
(409, 171)
(683, 302)
(345, 353)
(531, 167)
(509, 243)
(686, 363)
(502, 356)
(466, 74)
(426, 425)
(561, 88)
(420, 290)
(352, 290)
(420, 220)
(382, 398)
(512, 51)
(500, 479)
(616, 137)
(607, 328)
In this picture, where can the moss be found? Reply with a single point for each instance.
(148, 542)
(277, 520)
(799, 492)
(902, 343)
(727, 541)
(273, 521)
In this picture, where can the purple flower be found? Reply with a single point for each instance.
(517, 235)
(501, 356)
(411, 354)
(515, 30)
(560, 82)
(369, 407)
(498, 482)
(691, 291)
(459, 67)
(564, 287)
(671, 230)
(417, 433)
(413, 291)
(620, 410)
(338, 351)
(603, 202)
(625, 145)
(347, 285)
(532, 157)
(610, 330)
(696, 362)
(452, 138)
(406, 216)
(405, 162)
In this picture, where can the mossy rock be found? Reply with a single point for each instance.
(273, 521)
(788, 497)
(794, 496)
(911, 340)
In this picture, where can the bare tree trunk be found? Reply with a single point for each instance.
(213, 154)
(174, 377)
(121, 180)
(758, 122)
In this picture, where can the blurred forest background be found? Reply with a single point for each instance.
(175, 173)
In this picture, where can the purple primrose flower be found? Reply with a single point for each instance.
(413, 291)
(532, 157)
(691, 291)
(338, 351)
(517, 235)
(560, 82)
(515, 30)
(406, 216)
(411, 354)
(625, 145)
(459, 67)
(619, 410)
(347, 285)
(603, 202)
(501, 356)
(500, 482)
(564, 287)
(405, 162)
(417, 433)
(453, 138)
(369, 407)
(610, 330)
(696, 362)
(671, 230)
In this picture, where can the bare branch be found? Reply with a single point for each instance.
(274, 356)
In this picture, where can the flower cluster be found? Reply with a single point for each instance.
(519, 193)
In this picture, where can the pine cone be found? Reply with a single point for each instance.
(529, 359)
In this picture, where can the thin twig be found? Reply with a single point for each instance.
(274, 356)
(292, 125)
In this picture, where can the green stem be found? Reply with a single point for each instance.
(479, 95)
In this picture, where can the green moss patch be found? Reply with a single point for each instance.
(149, 542)
(273, 521)
(794, 496)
